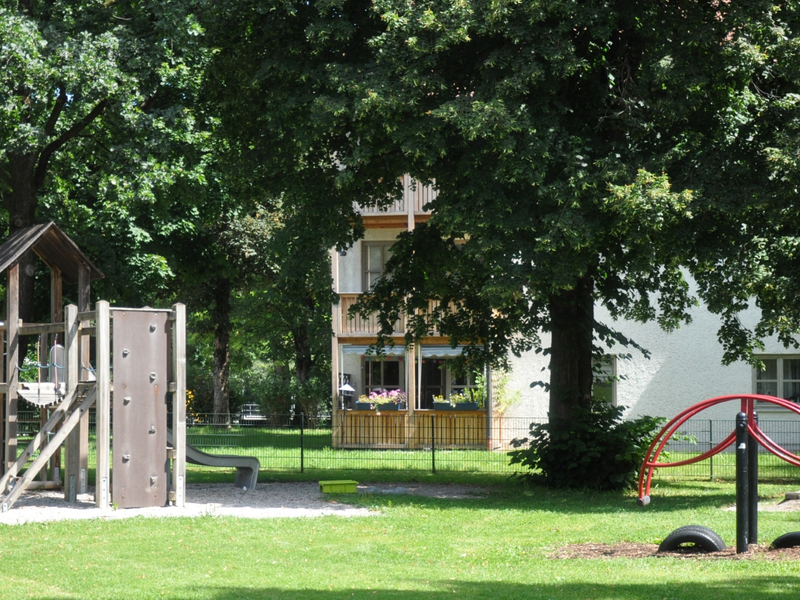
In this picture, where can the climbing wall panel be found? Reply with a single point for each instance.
(140, 474)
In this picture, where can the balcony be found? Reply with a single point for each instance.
(415, 196)
(358, 326)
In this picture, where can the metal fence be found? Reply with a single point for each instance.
(700, 435)
(438, 443)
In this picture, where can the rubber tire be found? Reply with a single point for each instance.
(702, 537)
(787, 540)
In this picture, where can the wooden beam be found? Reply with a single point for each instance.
(335, 366)
(40, 328)
(12, 358)
(179, 404)
(84, 345)
(56, 299)
(72, 447)
(103, 406)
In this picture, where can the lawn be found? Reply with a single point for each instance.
(489, 547)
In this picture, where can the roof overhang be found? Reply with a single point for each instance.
(53, 246)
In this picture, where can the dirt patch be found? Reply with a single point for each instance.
(631, 550)
(268, 500)
(783, 506)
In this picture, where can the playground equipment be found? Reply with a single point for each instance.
(149, 361)
(747, 437)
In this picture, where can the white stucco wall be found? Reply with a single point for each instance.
(684, 367)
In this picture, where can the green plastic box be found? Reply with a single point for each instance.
(338, 487)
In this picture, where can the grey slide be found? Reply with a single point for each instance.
(246, 466)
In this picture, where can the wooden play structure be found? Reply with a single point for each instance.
(147, 349)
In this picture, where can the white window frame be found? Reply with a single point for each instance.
(367, 270)
(780, 381)
(452, 387)
(369, 386)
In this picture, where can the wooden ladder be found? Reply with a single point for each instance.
(21, 483)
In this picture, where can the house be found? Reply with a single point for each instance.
(684, 367)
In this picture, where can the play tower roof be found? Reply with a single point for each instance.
(53, 246)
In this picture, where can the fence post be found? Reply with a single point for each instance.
(710, 446)
(302, 443)
(433, 444)
(742, 485)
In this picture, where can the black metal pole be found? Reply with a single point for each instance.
(302, 444)
(742, 481)
(433, 444)
(710, 446)
(752, 476)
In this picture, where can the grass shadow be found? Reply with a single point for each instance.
(753, 588)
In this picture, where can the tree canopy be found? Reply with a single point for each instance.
(581, 152)
(585, 153)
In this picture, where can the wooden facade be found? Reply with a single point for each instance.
(413, 428)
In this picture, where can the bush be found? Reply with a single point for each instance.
(594, 449)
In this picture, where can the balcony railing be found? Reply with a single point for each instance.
(415, 195)
(356, 325)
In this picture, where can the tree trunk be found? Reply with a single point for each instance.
(302, 355)
(572, 327)
(222, 351)
(303, 362)
(21, 207)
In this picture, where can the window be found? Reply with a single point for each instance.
(604, 386)
(464, 384)
(374, 256)
(780, 377)
(385, 374)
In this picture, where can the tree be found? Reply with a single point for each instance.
(280, 144)
(573, 144)
(554, 132)
(93, 102)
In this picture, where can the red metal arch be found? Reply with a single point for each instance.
(747, 403)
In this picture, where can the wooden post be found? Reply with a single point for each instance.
(43, 357)
(72, 450)
(411, 395)
(411, 200)
(103, 406)
(56, 316)
(336, 383)
(2, 405)
(179, 404)
(12, 357)
(489, 408)
(84, 345)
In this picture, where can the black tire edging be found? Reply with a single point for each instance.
(702, 537)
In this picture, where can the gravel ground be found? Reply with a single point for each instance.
(268, 500)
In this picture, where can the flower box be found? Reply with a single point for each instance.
(459, 406)
(363, 406)
(466, 406)
(391, 406)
